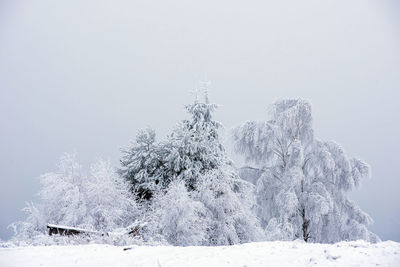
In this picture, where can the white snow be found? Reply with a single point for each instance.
(278, 253)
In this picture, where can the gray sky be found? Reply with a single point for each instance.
(84, 76)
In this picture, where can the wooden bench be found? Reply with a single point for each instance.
(66, 230)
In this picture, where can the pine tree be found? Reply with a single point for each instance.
(302, 181)
(193, 155)
(143, 165)
(199, 159)
(192, 149)
(194, 145)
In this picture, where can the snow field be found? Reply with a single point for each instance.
(278, 253)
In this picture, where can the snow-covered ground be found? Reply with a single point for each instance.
(253, 254)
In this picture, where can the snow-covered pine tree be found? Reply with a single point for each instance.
(143, 165)
(193, 154)
(302, 181)
(198, 158)
(192, 149)
(194, 146)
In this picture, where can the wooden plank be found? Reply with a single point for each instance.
(64, 230)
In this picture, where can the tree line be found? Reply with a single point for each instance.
(185, 190)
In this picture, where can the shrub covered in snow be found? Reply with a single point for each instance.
(98, 200)
(179, 218)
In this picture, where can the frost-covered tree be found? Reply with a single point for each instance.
(218, 212)
(194, 146)
(198, 158)
(62, 200)
(177, 217)
(192, 149)
(302, 181)
(110, 204)
(99, 200)
(143, 165)
(194, 155)
(229, 201)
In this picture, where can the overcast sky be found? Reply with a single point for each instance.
(84, 76)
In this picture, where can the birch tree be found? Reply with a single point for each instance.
(302, 181)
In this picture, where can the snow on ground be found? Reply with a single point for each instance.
(253, 254)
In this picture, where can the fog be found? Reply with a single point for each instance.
(84, 76)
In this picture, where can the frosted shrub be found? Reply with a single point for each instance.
(181, 219)
(97, 201)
